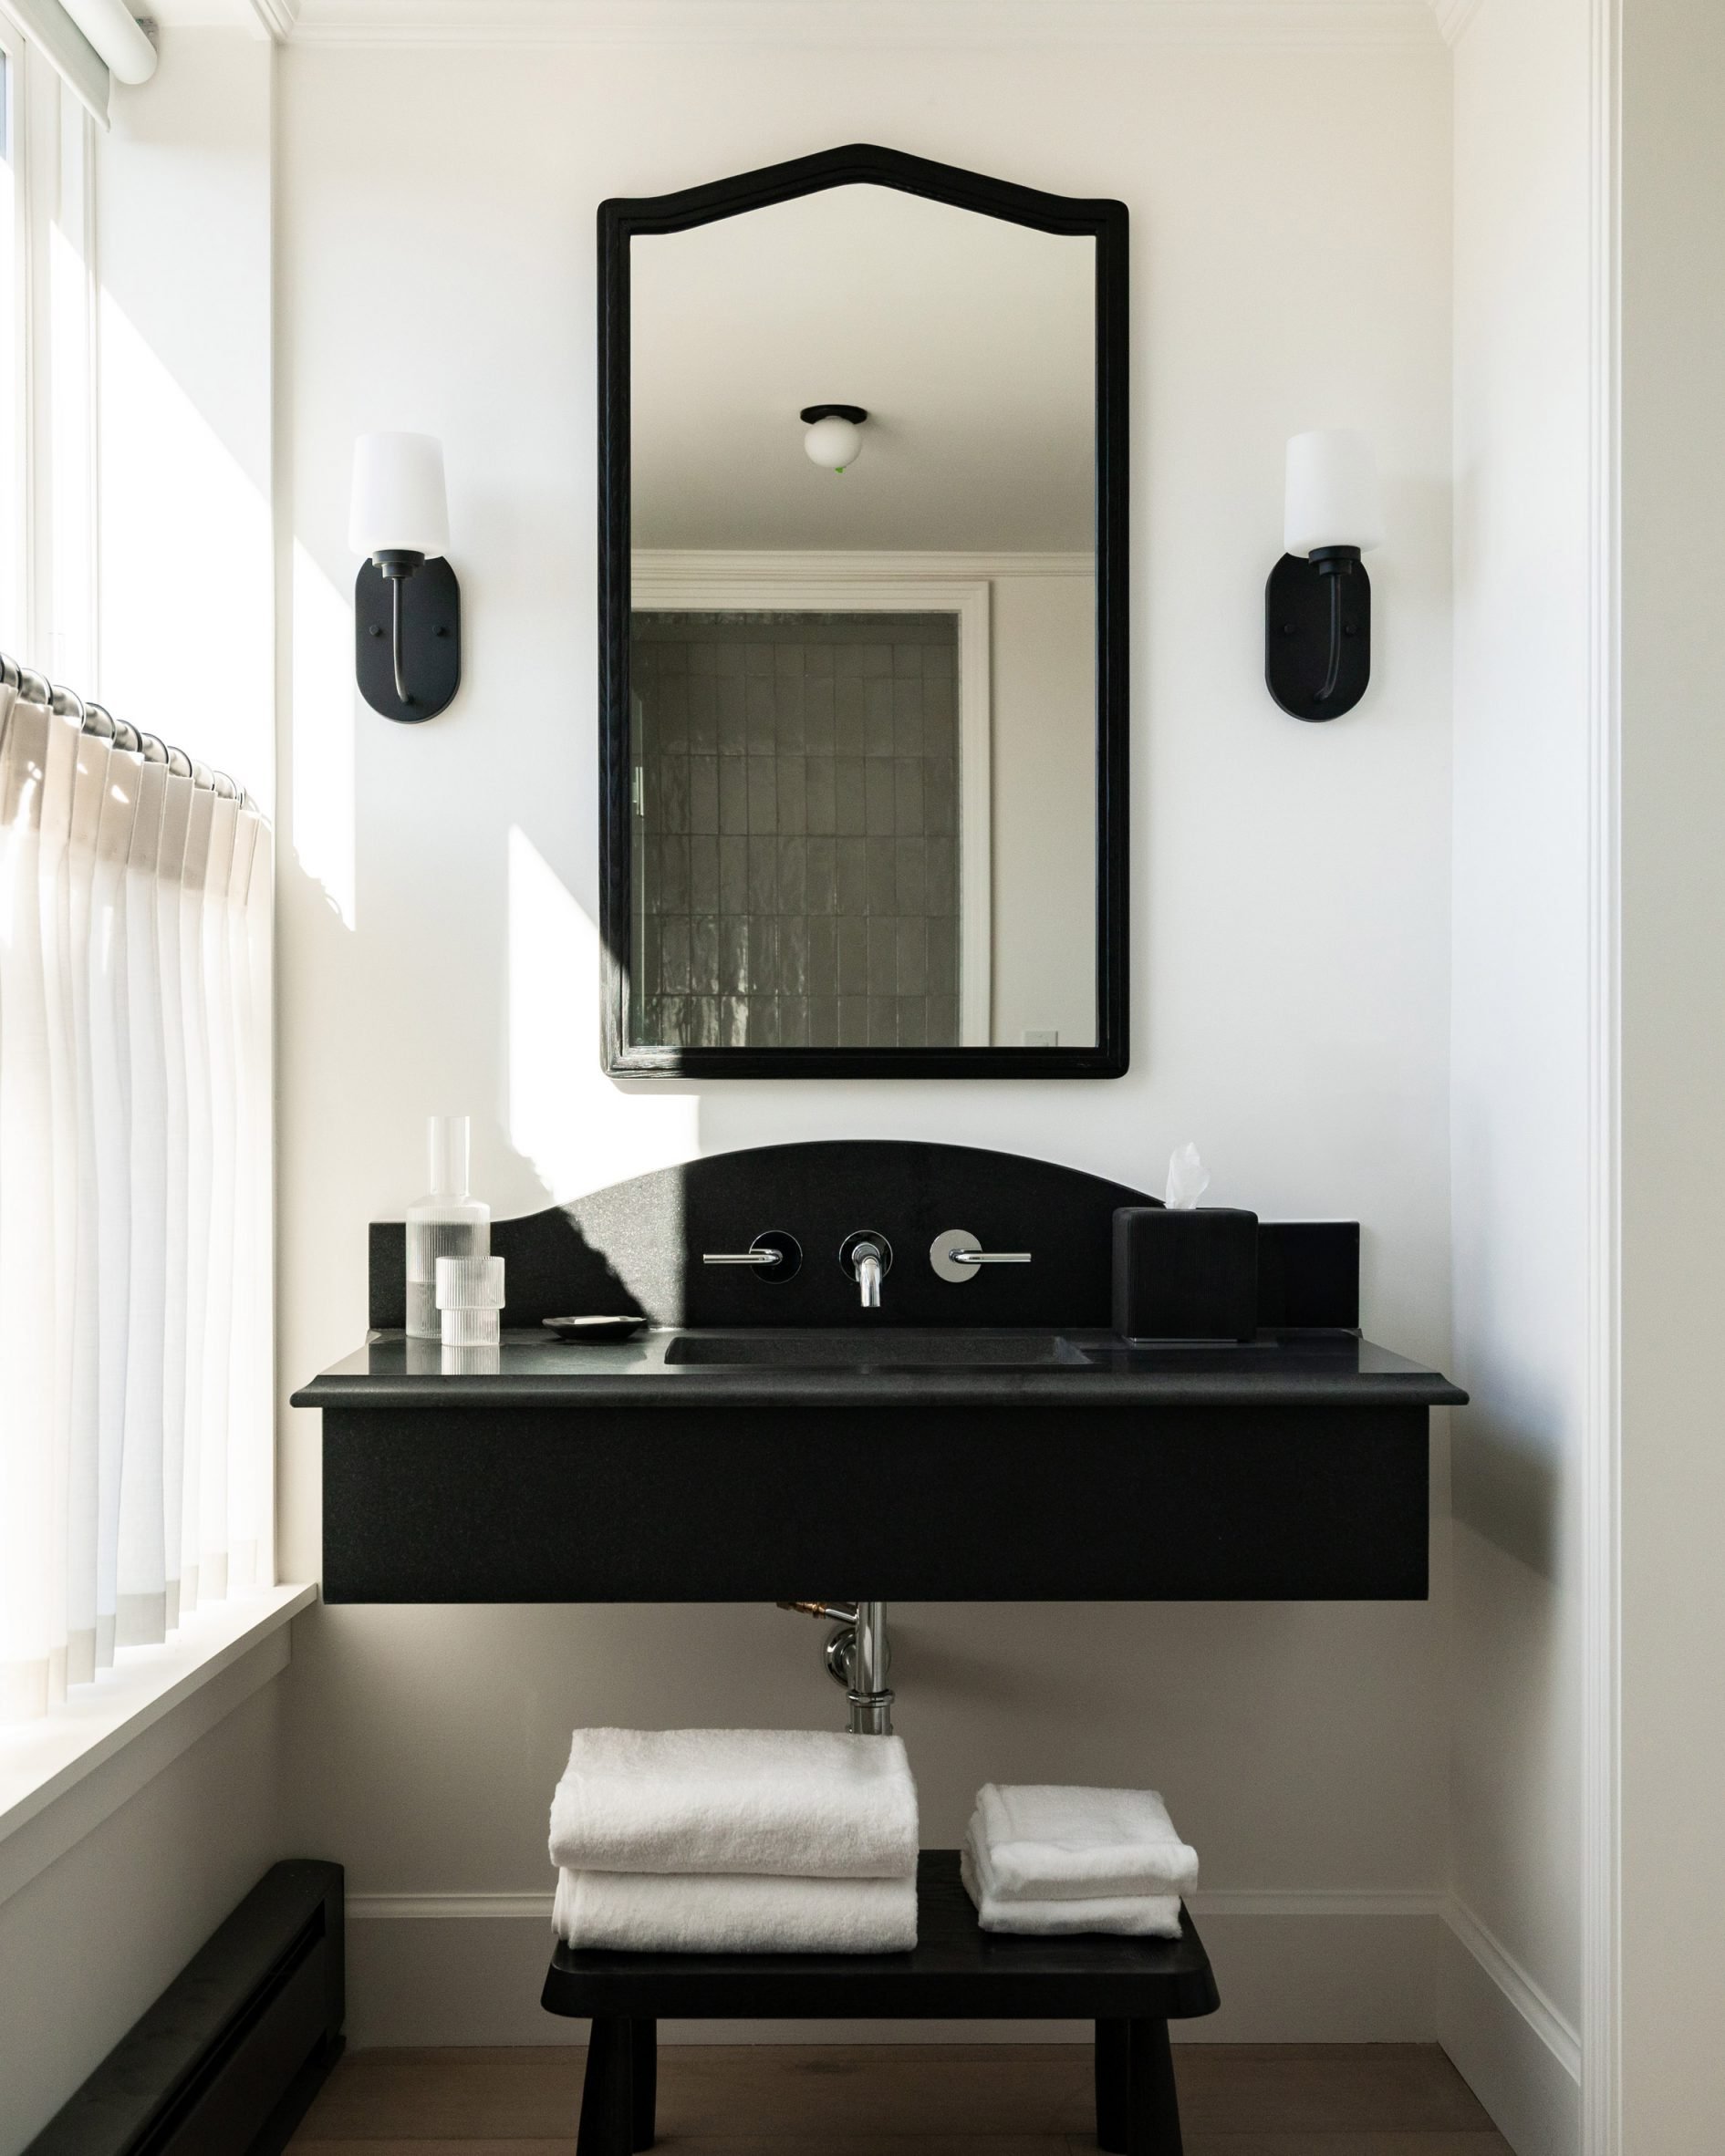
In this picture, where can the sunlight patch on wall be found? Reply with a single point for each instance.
(322, 789)
(187, 583)
(565, 1116)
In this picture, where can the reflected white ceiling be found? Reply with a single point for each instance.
(970, 341)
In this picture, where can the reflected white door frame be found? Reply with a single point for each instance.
(882, 584)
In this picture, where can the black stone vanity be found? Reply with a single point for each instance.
(768, 1438)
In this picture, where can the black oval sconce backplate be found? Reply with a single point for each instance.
(1297, 637)
(430, 639)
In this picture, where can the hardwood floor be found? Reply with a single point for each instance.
(907, 2100)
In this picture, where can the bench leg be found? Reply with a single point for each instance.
(607, 2094)
(1152, 2104)
(1111, 2086)
(644, 2076)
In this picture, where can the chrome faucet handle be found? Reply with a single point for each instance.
(776, 1255)
(955, 1256)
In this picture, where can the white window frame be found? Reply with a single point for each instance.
(51, 615)
(16, 506)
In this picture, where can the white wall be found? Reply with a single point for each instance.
(1288, 904)
(1673, 1072)
(1520, 1074)
(186, 626)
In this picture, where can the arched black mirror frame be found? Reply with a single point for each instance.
(620, 221)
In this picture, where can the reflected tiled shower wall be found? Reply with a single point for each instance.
(796, 861)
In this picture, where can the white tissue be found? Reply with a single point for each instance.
(1188, 1179)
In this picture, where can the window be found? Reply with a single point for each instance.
(48, 465)
(12, 319)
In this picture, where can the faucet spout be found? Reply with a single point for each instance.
(867, 1256)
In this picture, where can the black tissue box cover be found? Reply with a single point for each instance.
(1184, 1275)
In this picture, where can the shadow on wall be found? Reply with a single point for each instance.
(1508, 1451)
(1505, 1482)
(565, 1116)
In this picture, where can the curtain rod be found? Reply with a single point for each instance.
(99, 722)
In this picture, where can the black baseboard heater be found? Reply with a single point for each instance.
(227, 2060)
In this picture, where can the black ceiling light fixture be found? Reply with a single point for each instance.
(1317, 652)
(834, 439)
(407, 603)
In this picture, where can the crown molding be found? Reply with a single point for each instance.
(901, 23)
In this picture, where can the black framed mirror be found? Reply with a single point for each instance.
(863, 625)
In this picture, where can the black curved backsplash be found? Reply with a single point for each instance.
(635, 1247)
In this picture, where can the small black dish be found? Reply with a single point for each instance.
(594, 1332)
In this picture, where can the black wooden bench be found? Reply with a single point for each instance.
(1131, 1989)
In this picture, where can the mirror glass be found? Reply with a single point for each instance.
(863, 700)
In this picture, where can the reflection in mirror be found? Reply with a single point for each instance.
(862, 725)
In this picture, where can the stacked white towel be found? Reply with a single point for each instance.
(1045, 1859)
(736, 1841)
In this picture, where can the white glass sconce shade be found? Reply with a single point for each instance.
(400, 502)
(834, 442)
(1333, 495)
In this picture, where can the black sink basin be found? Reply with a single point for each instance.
(882, 1350)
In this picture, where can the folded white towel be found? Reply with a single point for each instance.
(786, 1803)
(1046, 1843)
(662, 1913)
(1143, 1916)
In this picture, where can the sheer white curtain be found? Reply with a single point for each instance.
(135, 1144)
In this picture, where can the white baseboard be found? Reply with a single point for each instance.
(1293, 1967)
(1518, 2052)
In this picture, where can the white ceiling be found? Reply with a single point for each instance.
(970, 342)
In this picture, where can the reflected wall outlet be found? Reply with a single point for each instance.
(1051, 1039)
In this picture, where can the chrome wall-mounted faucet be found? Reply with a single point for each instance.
(867, 1256)
(773, 1255)
(955, 1256)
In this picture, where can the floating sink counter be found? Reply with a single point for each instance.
(679, 1369)
(765, 1441)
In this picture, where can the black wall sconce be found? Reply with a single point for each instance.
(406, 604)
(1317, 606)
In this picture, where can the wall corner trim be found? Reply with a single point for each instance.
(1534, 2005)
(1508, 2039)
(1454, 15)
(273, 19)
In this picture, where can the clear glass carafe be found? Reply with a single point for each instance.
(449, 1222)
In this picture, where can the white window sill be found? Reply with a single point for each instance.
(63, 1774)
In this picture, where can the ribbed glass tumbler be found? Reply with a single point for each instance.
(470, 1297)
